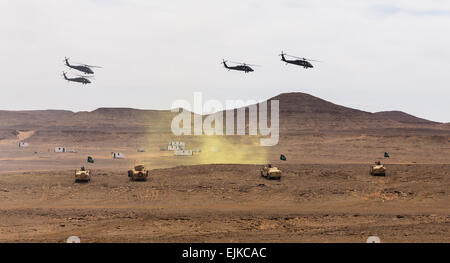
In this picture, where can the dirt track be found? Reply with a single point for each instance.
(230, 203)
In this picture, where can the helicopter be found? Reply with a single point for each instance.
(240, 66)
(81, 79)
(87, 69)
(298, 61)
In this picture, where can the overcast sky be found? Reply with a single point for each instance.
(378, 54)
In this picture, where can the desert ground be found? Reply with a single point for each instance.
(325, 194)
(230, 203)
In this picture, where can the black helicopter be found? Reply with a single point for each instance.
(298, 61)
(87, 69)
(81, 79)
(240, 66)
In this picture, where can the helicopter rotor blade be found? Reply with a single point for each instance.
(253, 65)
(85, 76)
(306, 59)
(313, 60)
(86, 65)
(90, 66)
(294, 56)
(244, 64)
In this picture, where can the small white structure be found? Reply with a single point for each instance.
(183, 152)
(60, 149)
(118, 155)
(23, 144)
(175, 145)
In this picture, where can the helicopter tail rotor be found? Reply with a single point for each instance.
(282, 56)
(224, 62)
(66, 60)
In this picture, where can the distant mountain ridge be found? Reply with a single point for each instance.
(299, 113)
(304, 112)
(404, 117)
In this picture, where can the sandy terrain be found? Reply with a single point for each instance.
(230, 203)
(325, 195)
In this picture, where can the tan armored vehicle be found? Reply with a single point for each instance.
(270, 172)
(82, 175)
(138, 173)
(378, 169)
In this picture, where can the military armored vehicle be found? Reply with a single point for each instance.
(82, 175)
(138, 173)
(270, 172)
(378, 169)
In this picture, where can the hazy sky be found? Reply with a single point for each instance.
(378, 54)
